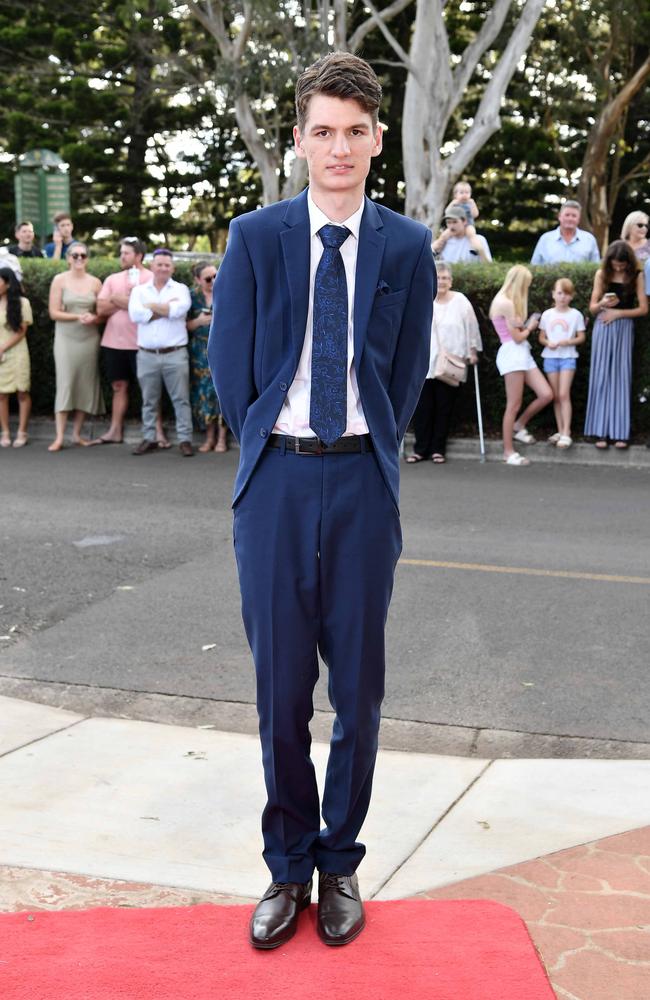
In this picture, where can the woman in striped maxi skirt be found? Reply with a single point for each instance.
(618, 297)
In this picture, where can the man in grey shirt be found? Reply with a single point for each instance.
(567, 244)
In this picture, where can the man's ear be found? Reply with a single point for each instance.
(297, 143)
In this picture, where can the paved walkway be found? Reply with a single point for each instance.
(111, 811)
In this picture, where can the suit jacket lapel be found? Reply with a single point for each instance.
(370, 253)
(295, 241)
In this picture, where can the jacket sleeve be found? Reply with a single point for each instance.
(232, 334)
(411, 360)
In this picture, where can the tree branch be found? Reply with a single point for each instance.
(385, 15)
(489, 30)
(376, 18)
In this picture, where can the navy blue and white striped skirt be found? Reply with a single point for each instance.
(610, 380)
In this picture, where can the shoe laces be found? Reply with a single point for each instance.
(330, 881)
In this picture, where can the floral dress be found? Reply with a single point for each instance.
(203, 397)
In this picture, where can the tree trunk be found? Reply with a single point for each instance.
(434, 92)
(593, 186)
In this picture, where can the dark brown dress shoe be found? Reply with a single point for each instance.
(275, 918)
(144, 447)
(340, 910)
(186, 449)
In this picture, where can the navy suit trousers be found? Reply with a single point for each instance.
(317, 539)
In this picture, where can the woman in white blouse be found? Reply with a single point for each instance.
(455, 327)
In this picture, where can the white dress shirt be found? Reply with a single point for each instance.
(161, 331)
(294, 416)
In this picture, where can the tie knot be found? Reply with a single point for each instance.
(332, 237)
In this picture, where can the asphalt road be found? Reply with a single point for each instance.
(117, 573)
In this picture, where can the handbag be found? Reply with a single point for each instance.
(449, 368)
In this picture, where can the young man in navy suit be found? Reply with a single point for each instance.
(319, 348)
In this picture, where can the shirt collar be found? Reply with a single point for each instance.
(318, 219)
(559, 236)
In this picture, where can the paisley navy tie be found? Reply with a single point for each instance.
(329, 358)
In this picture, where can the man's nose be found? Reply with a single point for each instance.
(341, 145)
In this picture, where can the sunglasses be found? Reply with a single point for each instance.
(209, 278)
(129, 239)
(78, 256)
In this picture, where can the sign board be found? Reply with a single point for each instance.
(42, 188)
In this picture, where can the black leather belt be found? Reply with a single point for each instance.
(314, 446)
(162, 350)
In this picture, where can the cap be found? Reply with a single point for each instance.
(454, 212)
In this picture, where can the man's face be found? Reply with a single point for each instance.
(128, 256)
(569, 217)
(25, 234)
(65, 228)
(162, 267)
(456, 226)
(338, 142)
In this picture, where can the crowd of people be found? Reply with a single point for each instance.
(619, 295)
(155, 333)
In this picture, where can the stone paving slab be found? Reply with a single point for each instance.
(23, 722)
(587, 910)
(521, 809)
(181, 807)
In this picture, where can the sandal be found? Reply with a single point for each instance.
(21, 439)
(554, 438)
(564, 441)
(413, 459)
(438, 459)
(621, 445)
(524, 436)
(601, 445)
(5, 440)
(516, 459)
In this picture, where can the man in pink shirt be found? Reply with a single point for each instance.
(119, 343)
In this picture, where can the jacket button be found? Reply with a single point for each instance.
(263, 432)
(283, 386)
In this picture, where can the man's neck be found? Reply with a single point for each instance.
(25, 246)
(160, 284)
(568, 234)
(337, 206)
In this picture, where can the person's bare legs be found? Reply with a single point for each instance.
(535, 381)
(210, 437)
(60, 419)
(514, 392)
(119, 407)
(4, 414)
(564, 399)
(554, 382)
(222, 436)
(24, 413)
(77, 424)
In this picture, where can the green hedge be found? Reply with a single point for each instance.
(478, 282)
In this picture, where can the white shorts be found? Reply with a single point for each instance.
(512, 357)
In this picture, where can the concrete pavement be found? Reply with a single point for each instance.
(123, 803)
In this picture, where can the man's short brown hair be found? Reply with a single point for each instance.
(339, 74)
(60, 216)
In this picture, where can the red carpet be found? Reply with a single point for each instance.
(410, 950)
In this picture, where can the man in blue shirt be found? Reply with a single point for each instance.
(566, 244)
(57, 248)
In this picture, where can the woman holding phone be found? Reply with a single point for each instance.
(515, 361)
(617, 298)
(203, 397)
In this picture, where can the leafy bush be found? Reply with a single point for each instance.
(479, 282)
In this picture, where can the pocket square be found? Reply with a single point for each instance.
(383, 288)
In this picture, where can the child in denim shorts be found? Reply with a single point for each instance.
(561, 330)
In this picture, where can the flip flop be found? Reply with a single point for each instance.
(104, 441)
(601, 445)
(621, 445)
(438, 459)
(413, 459)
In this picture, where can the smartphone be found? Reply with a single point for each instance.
(533, 316)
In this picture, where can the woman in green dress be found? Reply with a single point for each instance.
(73, 307)
(203, 397)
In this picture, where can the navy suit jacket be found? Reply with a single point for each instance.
(259, 320)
